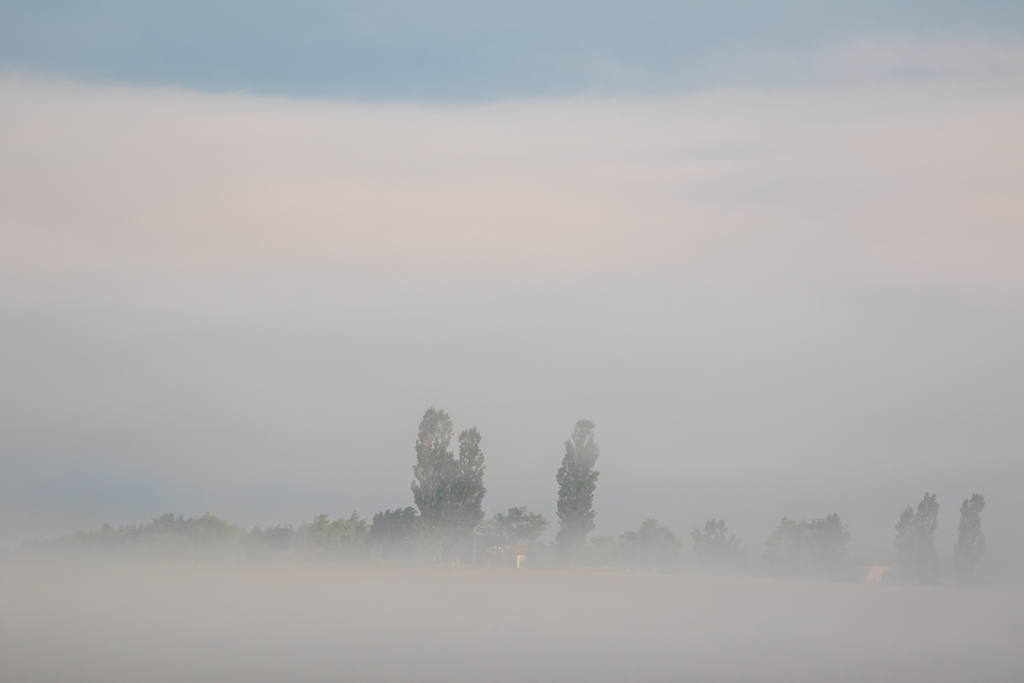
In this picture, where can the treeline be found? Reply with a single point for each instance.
(447, 524)
(209, 538)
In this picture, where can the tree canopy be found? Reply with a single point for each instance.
(467, 489)
(448, 492)
(577, 480)
(916, 557)
(714, 547)
(814, 548)
(970, 544)
(434, 469)
(518, 526)
(653, 545)
(396, 533)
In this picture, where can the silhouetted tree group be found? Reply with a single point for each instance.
(816, 549)
(518, 526)
(447, 524)
(917, 559)
(448, 492)
(716, 549)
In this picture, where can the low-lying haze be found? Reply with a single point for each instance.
(269, 624)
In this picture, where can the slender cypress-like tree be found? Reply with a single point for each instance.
(970, 544)
(577, 480)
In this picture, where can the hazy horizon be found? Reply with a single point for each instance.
(775, 256)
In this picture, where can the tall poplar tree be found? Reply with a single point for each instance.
(970, 543)
(916, 556)
(577, 480)
(434, 467)
(468, 488)
(448, 492)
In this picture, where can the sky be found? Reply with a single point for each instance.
(774, 252)
(462, 50)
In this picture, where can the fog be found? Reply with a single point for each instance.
(160, 623)
(770, 302)
(263, 264)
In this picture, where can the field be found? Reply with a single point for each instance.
(225, 623)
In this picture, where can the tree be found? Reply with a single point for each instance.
(714, 547)
(448, 492)
(468, 489)
(970, 544)
(395, 532)
(606, 550)
(518, 526)
(434, 467)
(167, 537)
(340, 537)
(784, 550)
(916, 556)
(652, 545)
(815, 548)
(577, 480)
(271, 540)
(828, 541)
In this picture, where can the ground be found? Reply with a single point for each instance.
(324, 623)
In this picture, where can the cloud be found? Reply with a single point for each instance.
(905, 180)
